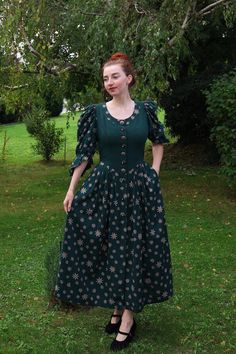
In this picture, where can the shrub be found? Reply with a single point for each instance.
(53, 104)
(221, 106)
(5, 117)
(48, 138)
(185, 109)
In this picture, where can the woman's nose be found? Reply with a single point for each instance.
(110, 81)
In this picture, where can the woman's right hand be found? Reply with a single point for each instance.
(68, 201)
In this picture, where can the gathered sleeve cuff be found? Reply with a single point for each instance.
(86, 139)
(156, 129)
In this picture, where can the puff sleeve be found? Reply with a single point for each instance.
(86, 139)
(156, 129)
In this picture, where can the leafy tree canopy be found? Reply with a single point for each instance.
(62, 44)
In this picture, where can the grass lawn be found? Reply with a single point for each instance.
(200, 215)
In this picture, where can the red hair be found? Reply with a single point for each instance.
(122, 59)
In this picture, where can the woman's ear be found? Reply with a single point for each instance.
(130, 78)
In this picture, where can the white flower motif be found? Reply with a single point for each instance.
(159, 209)
(114, 235)
(64, 254)
(84, 296)
(80, 242)
(70, 221)
(158, 264)
(147, 280)
(112, 269)
(98, 233)
(99, 280)
(57, 288)
(75, 276)
(89, 263)
(89, 211)
(83, 190)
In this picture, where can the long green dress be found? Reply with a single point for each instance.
(115, 250)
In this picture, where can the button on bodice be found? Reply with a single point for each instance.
(122, 142)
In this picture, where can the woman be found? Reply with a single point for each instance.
(115, 251)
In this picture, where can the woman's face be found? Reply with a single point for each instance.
(116, 82)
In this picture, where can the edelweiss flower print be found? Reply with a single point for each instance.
(115, 250)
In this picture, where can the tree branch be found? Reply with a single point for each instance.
(49, 70)
(12, 88)
(29, 45)
(186, 21)
(211, 7)
(137, 10)
(191, 14)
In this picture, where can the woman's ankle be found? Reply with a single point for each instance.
(117, 311)
(128, 316)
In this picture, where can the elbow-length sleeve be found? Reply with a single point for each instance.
(86, 139)
(156, 131)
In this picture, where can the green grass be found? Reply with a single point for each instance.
(200, 215)
(19, 145)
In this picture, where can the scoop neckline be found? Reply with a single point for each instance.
(132, 116)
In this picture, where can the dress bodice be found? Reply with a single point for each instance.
(121, 142)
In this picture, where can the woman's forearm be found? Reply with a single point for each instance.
(76, 176)
(157, 153)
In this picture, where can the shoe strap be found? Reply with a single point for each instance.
(124, 332)
(115, 315)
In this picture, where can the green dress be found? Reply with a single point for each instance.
(115, 250)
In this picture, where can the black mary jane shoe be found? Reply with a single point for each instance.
(113, 327)
(119, 345)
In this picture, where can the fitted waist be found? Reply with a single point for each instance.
(120, 166)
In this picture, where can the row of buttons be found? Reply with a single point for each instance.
(123, 146)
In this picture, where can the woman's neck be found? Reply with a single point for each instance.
(123, 100)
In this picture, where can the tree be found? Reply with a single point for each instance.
(212, 55)
(69, 40)
(221, 99)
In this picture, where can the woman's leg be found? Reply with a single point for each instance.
(126, 324)
(116, 312)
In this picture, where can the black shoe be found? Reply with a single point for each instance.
(119, 345)
(113, 327)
